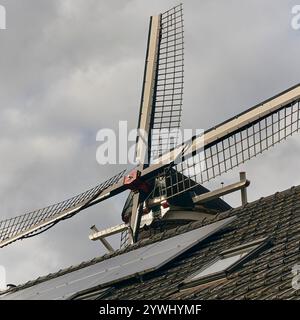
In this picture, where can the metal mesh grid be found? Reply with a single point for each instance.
(232, 150)
(169, 83)
(12, 227)
(124, 241)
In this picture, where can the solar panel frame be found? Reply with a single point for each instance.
(121, 267)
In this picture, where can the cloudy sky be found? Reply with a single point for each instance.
(69, 68)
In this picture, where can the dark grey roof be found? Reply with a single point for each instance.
(268, 275)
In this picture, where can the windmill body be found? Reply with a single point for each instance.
(168, 173)
(166, 187)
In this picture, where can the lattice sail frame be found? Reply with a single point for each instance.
(168, 95)
(35, 221)
(230, 151)
(218, 155)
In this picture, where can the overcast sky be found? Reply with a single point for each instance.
(71, 67)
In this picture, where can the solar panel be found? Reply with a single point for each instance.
(121, 267)
(93, 294)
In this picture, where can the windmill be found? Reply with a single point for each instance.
(170, 174)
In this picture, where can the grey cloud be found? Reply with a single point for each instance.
(69, 68)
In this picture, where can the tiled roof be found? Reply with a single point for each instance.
(268, 275)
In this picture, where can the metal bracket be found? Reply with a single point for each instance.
(241, 185)
(101, 235)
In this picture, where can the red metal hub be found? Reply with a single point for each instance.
(134, 182)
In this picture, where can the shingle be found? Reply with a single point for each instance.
(266, 276)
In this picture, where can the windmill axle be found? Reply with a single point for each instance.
(134, 182)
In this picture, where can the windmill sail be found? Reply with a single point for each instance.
(169, 83)
(36, 221)
(233, 142)
(199, 160)
(161, 103)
